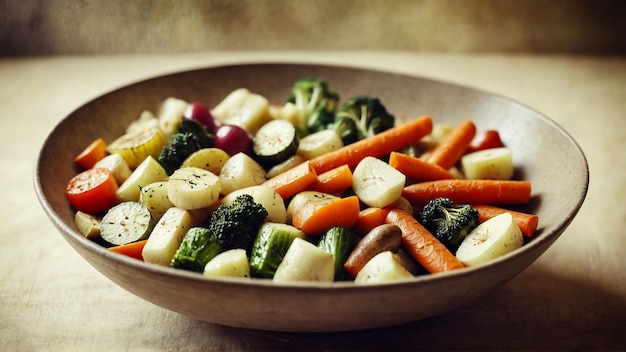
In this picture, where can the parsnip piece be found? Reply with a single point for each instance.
(376, 183)
(231, 263)
(147, 172)
(170, 115)
(384, 267)
(305, 262)
(243, 108)
(489, 240)
(240, 171)
(166, 236)
(193, 188)
(117, 165)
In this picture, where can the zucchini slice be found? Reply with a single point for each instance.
(275, 142)
(125, 223)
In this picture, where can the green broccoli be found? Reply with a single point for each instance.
(200, 131)
(231, 226)
(189, 138)
(236, 225)
(361, 117)
(197, 248)
(449, 222)
(316, 103)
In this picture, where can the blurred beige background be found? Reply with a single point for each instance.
(163, 26)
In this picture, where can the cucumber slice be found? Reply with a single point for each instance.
(275, 142)
(125, 223)
(338, 241)
(270, 246)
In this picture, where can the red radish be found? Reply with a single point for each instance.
(233, 139)
(199, 112)
(487, 140)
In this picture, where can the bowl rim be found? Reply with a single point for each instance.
(76, 239)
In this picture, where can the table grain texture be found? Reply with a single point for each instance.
(573, 297)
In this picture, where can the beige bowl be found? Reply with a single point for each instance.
(544, 154)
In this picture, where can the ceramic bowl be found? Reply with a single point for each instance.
(544, 154)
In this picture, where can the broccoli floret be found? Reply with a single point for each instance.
(189, 138)
(346, 128)
(361, 117)
(197, 248)
(231, 226)
(200, 131)
(316, 103)
(236, 225)
(449, 222)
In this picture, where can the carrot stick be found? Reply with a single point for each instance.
(470, 191)
(333, 181)
(377, 145)
(132, 250)
(294, 180)
(452, 147)
(421, 244)
(368, 219)
(95, 151)
(527, 222)
(314, 219)
(418, 169)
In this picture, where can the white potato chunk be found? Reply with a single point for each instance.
(240, 171)
(376, 183)
(231, 263)
(488, 164)
(383, 267)
(305, 262)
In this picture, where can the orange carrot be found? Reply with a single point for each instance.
(418, 169)
(450, 150)
(132, 250)
(333, 181)
(294, 180)
(315, 218)
(95, 151)
(527, 222)
(470, 191)
(368, 219)
(377, 145)
(421, 244)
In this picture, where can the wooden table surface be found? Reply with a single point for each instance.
(573, 297)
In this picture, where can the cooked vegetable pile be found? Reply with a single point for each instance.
(311, 189)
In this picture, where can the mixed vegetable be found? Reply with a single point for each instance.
(313, 189)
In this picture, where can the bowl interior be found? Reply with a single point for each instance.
(543, 153)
